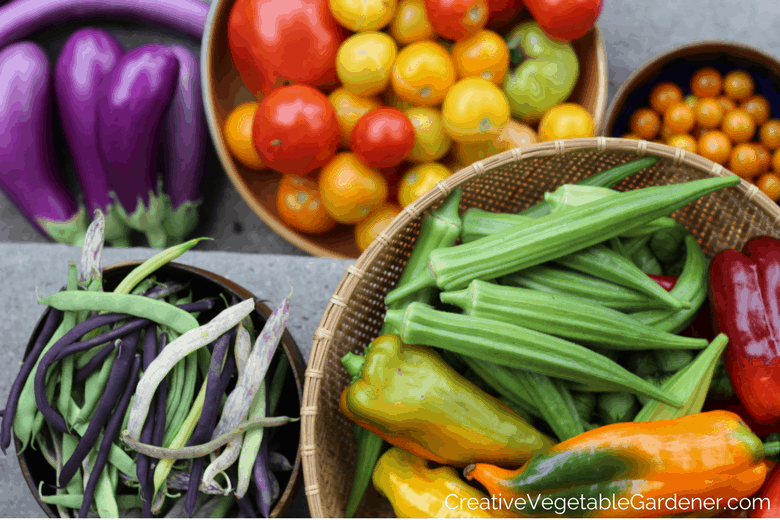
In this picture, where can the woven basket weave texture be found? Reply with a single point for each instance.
(507, 183)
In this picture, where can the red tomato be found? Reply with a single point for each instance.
(295, 130)
(383, 137)
(501, 12)
(392, 175)
(457, 19)
(280, 42)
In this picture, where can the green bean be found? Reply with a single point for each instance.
(139, 306)
(187, 395)
(251, 445)
(127, 414)
(94, 386)
(204, 361)
(145, 284)
(66, 365)
(51, 385)
(151, 265)
(277, 383)
(224, 503)
(175, 384)
(76, 483)
(105, 499)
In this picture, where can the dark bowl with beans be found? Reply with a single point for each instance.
(284, 440)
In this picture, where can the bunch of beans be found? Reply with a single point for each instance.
(723, 119)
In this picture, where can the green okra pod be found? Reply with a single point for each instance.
(644, 259)
(556, 407)
(505, 381)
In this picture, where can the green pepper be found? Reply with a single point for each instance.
(544, 72)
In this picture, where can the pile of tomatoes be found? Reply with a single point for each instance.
(364, 105)
(723, 119)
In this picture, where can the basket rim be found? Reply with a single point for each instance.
(355, 272)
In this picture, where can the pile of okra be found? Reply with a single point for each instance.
(138, 401)
(576, 312)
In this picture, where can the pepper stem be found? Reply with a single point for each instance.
(354, 364)
(771, 448)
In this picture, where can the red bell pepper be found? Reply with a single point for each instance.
(745, 298)
(565, 20)
(667, 282)
(767, 504)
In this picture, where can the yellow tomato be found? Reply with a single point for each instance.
(350, 189)
(468, 153)
(370, 227)
(363, 62)
(484, 55)
(349, 108)
(363, 15)
(411, 23)
(419, 179)
(431, 143)
(423, 73)
(238, 136)
(475, 110)
(566, 121)
(516, 135)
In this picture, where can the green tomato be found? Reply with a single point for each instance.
(544, 72)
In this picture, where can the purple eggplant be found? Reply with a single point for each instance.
(88, 57)
(135, 99)
(184, 147)
(28, 174)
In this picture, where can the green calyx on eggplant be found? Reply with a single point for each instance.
(543, 74)
(135, 99)
(28, 176)
(88, 57)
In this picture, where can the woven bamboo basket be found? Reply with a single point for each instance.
(507, 183)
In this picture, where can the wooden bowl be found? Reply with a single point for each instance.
(506, 183)
(205, 284)
(678, 66)
(223, 90)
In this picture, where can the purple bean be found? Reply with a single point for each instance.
(117, 383)
(245, 508)
(143, 462)
(112, 431)
(162, 291)
(49, 326)
(90, 366)
(162, 396)
(260, 473)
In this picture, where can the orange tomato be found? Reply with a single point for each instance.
(422, 73)
(350, 189)
(299, 204)
(770, 134)
(684, 141)
(727, 103)
(707, 82)
(411, 23)
(377, 221)
(667, 133)
(775, 162)
(758, 107)
(349, 108)
(715, 146)
(739, 126)
(763, 156)
(664, 95)
(238, 136)
(680, 118)
(709, 113)
(744, 161)
(769, 183)
(692, 101)
(419, 179)
(484, 54)
(645, 123)
(738, 85)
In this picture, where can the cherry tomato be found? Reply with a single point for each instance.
(666, 133)
(769, 183)
(295, 129)
(392, 175)
(423, 73)
(501, 12)
(363, 62)
(692, 101)
(238, 136)
(738, 85)
(474, 110)
(484, 55)
(411, 23)
(566, 121)
(419, 179)
(469, 153)
(727, 103)
(763, 156)
(758, 107)
(707, 82)
(744, 161)
(431, 142)
(383, 137)
(663, 95)
(457, 19)
(715, 146)
(278, 42)
(770, 134)
(350, 188)
(739, 126)
(363, 15)
(516, 135)
(299, 203)
(377, 221)
(775, 162)
(709, 113)
(680, 118)
(645, 123)
(684, 141)
(349, 108)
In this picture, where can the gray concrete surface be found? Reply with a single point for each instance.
(633, 30)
